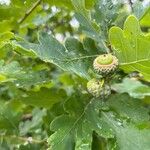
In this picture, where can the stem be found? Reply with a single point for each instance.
(131, 4)
(23, 139)
(29, 11)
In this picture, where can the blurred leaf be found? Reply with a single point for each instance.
(5, 26)
(91, 46)
(36, 79)
(35, 123)
(76, 128)
(144, 20)
(9, 71)
(5, 37)
(58, 3)
(43, 98)
(9, 119)
(68, 3)
(105, 14)
(133, 87)
(138, 9)
(89, 28)
(13, 72)
(79, 6)
(131, 47)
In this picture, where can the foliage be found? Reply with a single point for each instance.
(47, 50)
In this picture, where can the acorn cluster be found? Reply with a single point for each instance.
(104, 65)
(97, 89)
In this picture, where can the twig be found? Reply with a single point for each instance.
(29, 11)
(24, 139)
(131, 4)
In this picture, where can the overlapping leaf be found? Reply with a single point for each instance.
(133, 87)
(71, 58)
(13, 72)
(144, 20)
(36, 122)
(128, 136)
(43, 98)
(9, 72)
(9, 119)
(74, 131)
(128, 108)
(131, 47)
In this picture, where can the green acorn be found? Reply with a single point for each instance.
(105, 64)
(94, 87)
(98, 88)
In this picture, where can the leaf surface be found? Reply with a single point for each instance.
(131, 47)
(71, 58)
(133, 87)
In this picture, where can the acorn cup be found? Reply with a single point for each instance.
(105, 64)
(98, 89)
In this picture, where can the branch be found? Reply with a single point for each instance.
(131, 4)
(29, 11)
(24, 139)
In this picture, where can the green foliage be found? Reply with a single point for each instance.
(9, 72)
(56, 53)
(133, 87)
(144, 21)
(44, 100)
(77, 127)
(71, 129)
(131, 47)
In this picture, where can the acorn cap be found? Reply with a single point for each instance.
(105, 64)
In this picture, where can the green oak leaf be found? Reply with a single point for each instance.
(71, 58)
(128, 119)
(144, 20)
(87, 25)
(13, 72)
(74, 130)
(118, 116)
(128, 108)
(68, 3)
(43, 98)
(36, 122)
(131, 47)
(9, 72)
(9, 119)
(128, 136)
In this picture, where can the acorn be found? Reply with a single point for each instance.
(94, 87)
(105, 64)
(98, 88)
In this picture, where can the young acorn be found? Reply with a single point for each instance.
(97, 89)
(105, 64)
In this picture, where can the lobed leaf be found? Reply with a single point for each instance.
(131, 47)
(73, 58)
